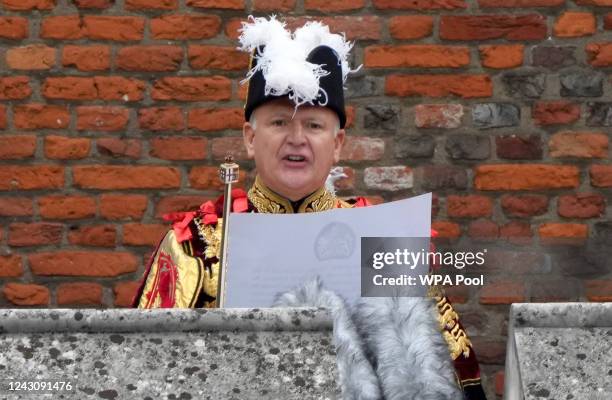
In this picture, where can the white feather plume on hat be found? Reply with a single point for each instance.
(283, 59)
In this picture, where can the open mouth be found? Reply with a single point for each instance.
(294, 158)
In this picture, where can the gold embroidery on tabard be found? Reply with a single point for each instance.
(456, 338)
(266, 201)
(321, 200)
(212, 238)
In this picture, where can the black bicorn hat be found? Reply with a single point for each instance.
(331, 84)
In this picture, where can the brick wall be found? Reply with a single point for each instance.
(115, 112)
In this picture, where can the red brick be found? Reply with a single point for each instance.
(11, 266)
(600, 291)
(23, 294)
(20, 177)
(603, 3)
(471, 206)
(446, 229)
(2, 116)
(116, 147)
(70, 88)
(601, 175)
(40, 116)
(171, 204)
(123, 206)
(86, 58)
(526, 177)
(220, 4)
(143, 234)
(133, 5)
(555, 112)
(446, 116)
(119, 88)
(465, 86)
(161, 119)
(483, 229)
(274, 5)
(102, 118)
(35, 234)
(502, 293)
(67, 207)
(563, 233)
(13, 28)
(66, 148)
(207, 88)
(334, 6)
(525, 205)
(420, 4)
(124, 293)
(575, 24)
(14, 87)
(62, 27)
(215, 119)
(28, 5)
(17, 146)
(581, 205)
(229, 145)
(411, 26)
(184, 27)
(483, 27)
(95, 4)
(16, 206)
(361, 148)
(522, 147)
(126, 177)
(608, 21)
(355, 27)
(179, 148)
(516, 232)
(519, 3)
(207, 178)
(233, 25)
(217, 57)
(31, 57)
(599, 54)
(416, 56)
(149, 58)
(117, 28)
(83, 263)
(501, 56)
(93, 235)
(79, 293)
(579, 144)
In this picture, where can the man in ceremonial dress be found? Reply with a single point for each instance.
(294, 130)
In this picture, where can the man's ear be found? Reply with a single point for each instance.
(338, 142)
(248, 135)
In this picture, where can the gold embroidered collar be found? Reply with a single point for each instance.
(267, 201)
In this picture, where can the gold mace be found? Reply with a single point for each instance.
(228, 172)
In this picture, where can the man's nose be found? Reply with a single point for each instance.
(297, 134)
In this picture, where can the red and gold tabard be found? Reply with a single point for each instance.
(183, 270)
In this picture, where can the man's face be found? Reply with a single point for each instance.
(293, 154)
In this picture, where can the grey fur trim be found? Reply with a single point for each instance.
(410, 355)
(389, 347)
(357, 378)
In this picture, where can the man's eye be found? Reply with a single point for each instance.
(279, 122)
(314, 125)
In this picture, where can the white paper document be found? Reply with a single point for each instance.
(270, 254)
